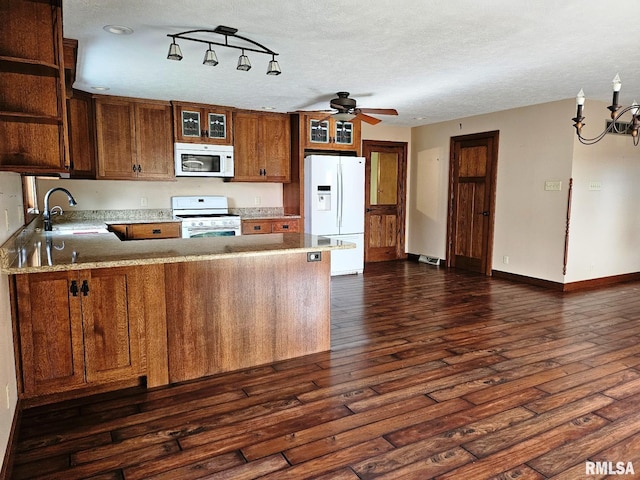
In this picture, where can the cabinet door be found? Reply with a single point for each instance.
(112, 321)
(248, 164)
(81, 135)
(154, 145)
(194, 123)
(49, 322)
(322, 133)
(275, 143)
(115, 134)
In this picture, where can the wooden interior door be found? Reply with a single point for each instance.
(385, 199)
(473, 168)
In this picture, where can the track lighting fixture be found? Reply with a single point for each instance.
(243, 63)
(274, 67)
(210, 57)
(615, 125)
(174, 51)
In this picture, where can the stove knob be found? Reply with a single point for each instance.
(200, 224)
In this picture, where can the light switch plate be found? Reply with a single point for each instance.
(553, 185)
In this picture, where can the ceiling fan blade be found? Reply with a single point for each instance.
(379, 111)
(367, 119)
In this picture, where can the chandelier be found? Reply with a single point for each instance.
(615, 126)
(210, 57)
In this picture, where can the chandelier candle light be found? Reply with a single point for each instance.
(210, 57)
(616, 113)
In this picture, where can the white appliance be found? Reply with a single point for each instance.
(205, 216)
(203, 160)
(334, 206)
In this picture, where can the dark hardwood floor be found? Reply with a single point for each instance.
(432, 374)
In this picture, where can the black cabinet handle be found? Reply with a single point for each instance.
(285, 227)
(156, 231)
(85, 288)
(139, 168)
(74, 288)
(257, 227)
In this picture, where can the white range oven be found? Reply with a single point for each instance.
(205, 216)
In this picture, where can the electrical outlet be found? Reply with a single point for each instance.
(595, 186)
(257, 200)
(314, 256)
(143, 201)
(505, 259)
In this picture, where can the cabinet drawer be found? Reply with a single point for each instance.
(256, 226)
(138, 231)
(284, 226)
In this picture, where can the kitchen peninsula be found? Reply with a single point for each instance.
(93, 313)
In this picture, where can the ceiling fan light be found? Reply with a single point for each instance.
(243, 63)
(174, 52)
(274, 67)
(343, 116)
(210, 58)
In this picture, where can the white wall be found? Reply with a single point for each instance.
(128, 194)
(11, 209)
(535, 145)
(605, 223)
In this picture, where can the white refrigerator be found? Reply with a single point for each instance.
(334, 206)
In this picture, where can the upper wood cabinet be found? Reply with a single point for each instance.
(194, 123)
(262, 147)
(82, 143)
(321, 131)
(33, 124)
(133, 139)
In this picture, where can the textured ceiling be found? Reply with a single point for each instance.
(431, 60)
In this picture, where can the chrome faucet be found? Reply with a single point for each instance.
(46, 215)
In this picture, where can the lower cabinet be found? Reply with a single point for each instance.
(77, 329)
(276, 225)
(146, 231)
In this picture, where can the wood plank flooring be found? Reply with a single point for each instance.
(432, 374)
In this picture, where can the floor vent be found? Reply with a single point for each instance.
(429, 260)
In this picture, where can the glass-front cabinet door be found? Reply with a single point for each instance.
(217, 126)
(191, 124)
(195, 123)
(319, 131)
(323, 132)
(344, 133)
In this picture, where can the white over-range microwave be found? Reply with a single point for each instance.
(203, 160)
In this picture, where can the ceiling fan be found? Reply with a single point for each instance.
(347, 110)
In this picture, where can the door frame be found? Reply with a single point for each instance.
(369, 146)
(488, 255)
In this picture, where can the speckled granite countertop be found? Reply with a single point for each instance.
(77, 244)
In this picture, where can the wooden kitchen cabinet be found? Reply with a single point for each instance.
(262, 147)
(80, 118)
(324, 132)
(276, 225)
(146, 231)
(78, 329)
(193, 123)
(33, 124)
(133, 139)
